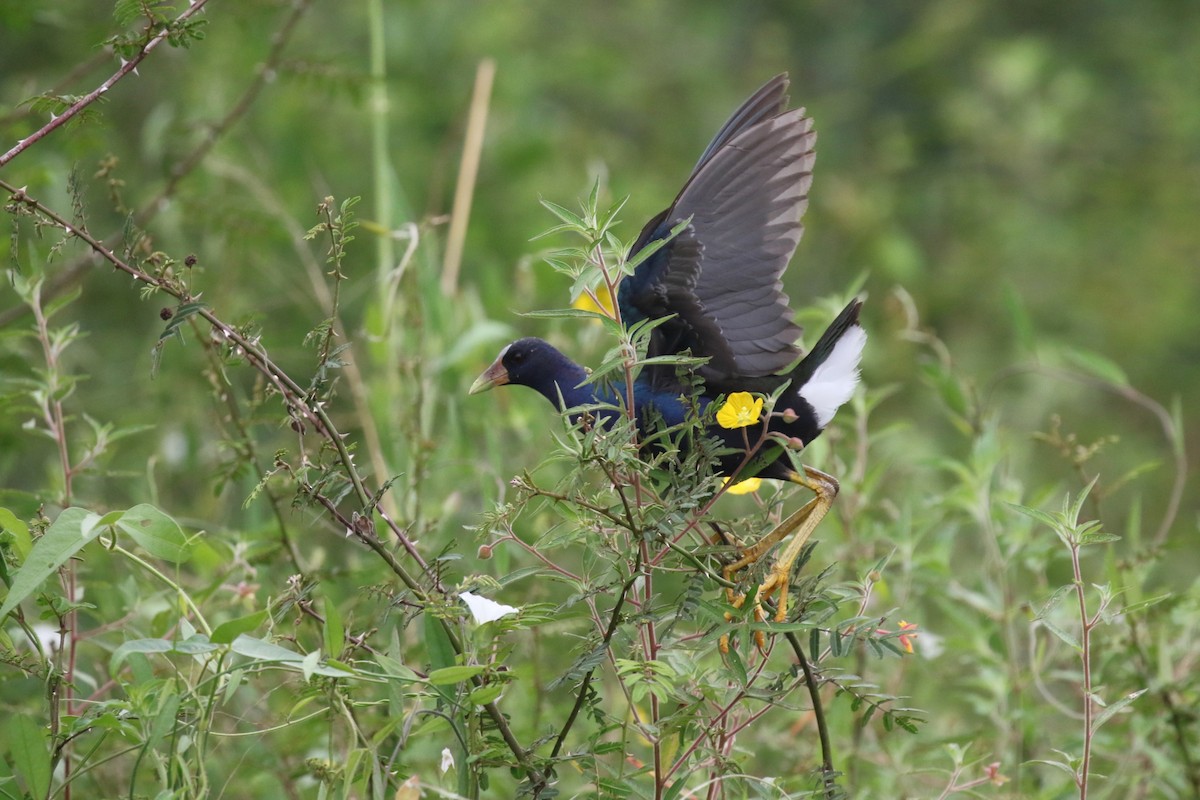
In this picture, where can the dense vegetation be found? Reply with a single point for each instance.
(259, 250)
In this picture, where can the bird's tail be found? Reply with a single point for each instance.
(827, 375)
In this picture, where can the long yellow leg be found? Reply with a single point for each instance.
(802, 523)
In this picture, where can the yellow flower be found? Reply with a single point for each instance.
(740, 409)
(585, 303)
(743, 487)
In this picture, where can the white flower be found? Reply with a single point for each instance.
(485, 610)
(447, 760)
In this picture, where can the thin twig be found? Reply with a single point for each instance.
(126, 67)
(613, 622)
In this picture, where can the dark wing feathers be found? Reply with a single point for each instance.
(768, 101)
(721, 276)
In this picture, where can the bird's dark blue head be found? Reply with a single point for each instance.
(535, 363)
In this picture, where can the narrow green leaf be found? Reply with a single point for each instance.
(594, 197)
(196, 644)
(738, 665)
(265, 652)
(563, 313)
(451, 675)
(261, 650)
(1141, 605)
(552, 231)
(1057, 764)
(610, 217)
(437, 641)
(27, 744)
(180, 316)
(232, 684)
(226, 632)
(564, 214)
(136, 646)
(1061, 634)
(675, 791)
(486, 694)
(334, 632)
(395, 669)
(55, 548)
(1072, 511)
(1107, 713)
(1053, 601)
(1096, 365)
(1043, 517)
(164, 720)
(1098, 538)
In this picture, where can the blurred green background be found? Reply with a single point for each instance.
(1023, 176)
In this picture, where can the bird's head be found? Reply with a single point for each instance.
(534, 363)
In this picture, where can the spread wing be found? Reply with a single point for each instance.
(721, 276)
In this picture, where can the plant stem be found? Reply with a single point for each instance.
(1085, 637)
(613, 621)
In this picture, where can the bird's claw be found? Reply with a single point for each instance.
(775, 581)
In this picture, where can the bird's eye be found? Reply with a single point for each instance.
(517, 357)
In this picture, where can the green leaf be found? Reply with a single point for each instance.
(22, 542)
(1107, 713)
(27, 744)
(156, 532)
(564, 313)
(1098, 538)
(262, 650)
(182, 312)
(565, 215)
(610, 217)
(1096, 365)
(675, 790)
(196, 644)
(1047, 519)
(447, 676)
(164, 721)
(1053, 601)
(63, 540)
(265, 652)
(1062, 634)
(125, 12)
(1071, 511)
(334, 632)
(395, 669)
(441, 651)
(486, 694)
(226, 632)
(1141, 605)
(1067, 768)
(136, 646)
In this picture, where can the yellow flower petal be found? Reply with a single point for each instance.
(585, 303)
(740, 410)
(744, 487)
